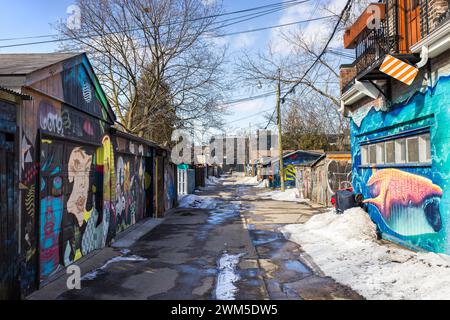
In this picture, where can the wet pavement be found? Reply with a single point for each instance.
(234, 251)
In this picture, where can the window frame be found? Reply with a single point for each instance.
(401, 148)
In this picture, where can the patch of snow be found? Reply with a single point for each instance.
(345, 247)
(94, 274)
(194, 201)
(291, 195)
(227, 277)
(263, 184)
(213, 181)
(247, 180)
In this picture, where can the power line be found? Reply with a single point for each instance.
(250, 116)
(273, 27)
(212, 36)
(341, 16)
(267, 94)
(277, 7)
(286, 4)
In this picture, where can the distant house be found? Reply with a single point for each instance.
(290, 160)
(319, 180)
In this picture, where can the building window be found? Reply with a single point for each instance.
(425, 148)
(400, 151)
(373, 154)
(415, 149)
(390, 152)
(380, 153)
(364, 155)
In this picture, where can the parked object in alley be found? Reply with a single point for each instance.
(345, 200)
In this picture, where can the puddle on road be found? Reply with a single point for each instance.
(227, 277)
(295, 265)
(261, 237)
(224, 213)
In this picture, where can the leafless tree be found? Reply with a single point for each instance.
(155, 59)
(316, 102)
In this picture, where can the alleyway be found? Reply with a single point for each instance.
(233, 251)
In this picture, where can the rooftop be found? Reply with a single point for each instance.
(23, 64)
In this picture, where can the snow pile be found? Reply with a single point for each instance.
(248, 180)
(213, 181)
(94, 274)
(227, 277)
(194, 201)
(345, 247)
(291, 195)
(263, 184)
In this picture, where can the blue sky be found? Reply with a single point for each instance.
(21, 18)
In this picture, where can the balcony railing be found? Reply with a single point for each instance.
(373, 48)
(371, 51)
(399, 31)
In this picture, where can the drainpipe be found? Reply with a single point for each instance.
(424, 58)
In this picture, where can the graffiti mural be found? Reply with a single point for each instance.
(78, 173)
(80, 182)
(51, 210)
(169, 187)
(49, 118)
(339, 175)
(130, 190)
(289, 174)
(408, 202)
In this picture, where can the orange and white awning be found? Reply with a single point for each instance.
(399, 70)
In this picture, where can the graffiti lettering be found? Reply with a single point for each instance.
(52, 122)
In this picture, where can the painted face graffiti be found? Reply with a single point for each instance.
(409, 203)
(79, 167)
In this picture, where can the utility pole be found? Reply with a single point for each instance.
(280, 140)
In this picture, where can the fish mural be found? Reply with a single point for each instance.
(409, 203)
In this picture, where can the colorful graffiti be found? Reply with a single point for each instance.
(408, 202)
(78, 174)
(339, 175)
(169, 187)
(51, 213)
(80, 183)
(289, 174)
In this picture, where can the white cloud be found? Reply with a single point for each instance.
(243, 40)
(208, 2)
(248, 106)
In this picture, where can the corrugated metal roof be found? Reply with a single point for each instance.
(23, 64)
(19, 94)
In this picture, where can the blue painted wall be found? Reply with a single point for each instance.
(410, 204)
